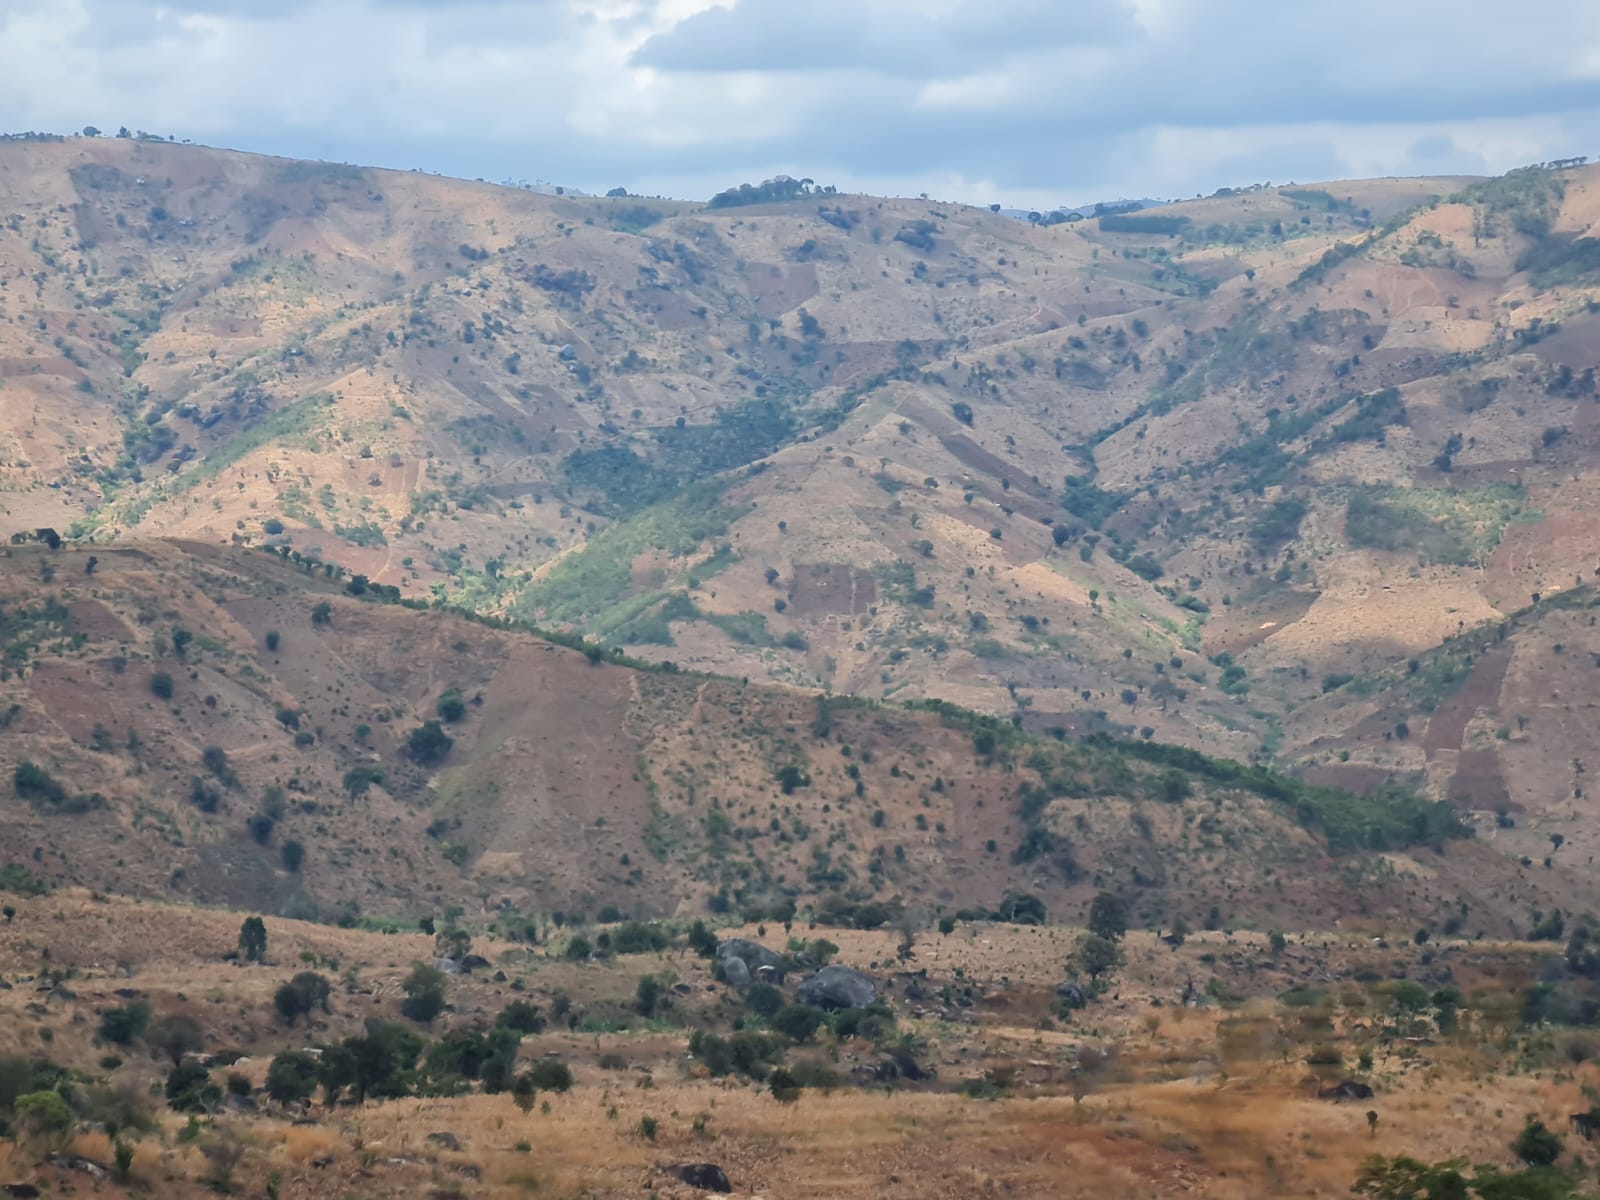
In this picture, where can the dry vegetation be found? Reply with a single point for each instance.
(1137, 1094)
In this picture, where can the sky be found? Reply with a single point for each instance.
(1027, 103)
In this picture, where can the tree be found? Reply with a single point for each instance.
(424, 989)
(322, 614)
(293, 1077)
(452, 943)
(305, 992)
(451, 707)
(90, 131)
(701, 940)
(1536, 1145)
(1096, 956)
(189, 1088)
(1108, 917)
(253, 939)
(648, 995)
(429, 743)
(174, 1036)
(551, 1075)
(126, 1025)
(293, 854)
(161, 685)
(42, 1116)
(524, 1093)
(521, 1016)
(797, 1022)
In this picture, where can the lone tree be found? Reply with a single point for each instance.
(174, 1036)
(297, 998)
(424, 989)
(292, 1077)
(429, 743)
(1108, 917)
(253, 939)
(1096, 956)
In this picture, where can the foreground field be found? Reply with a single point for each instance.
(1136, 1094)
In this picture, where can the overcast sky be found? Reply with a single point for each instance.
(1025, 102)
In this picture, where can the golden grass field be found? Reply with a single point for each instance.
(1134, 1096)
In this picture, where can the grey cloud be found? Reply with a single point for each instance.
(782, 35)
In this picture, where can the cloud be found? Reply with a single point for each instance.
(891, 36)
(1032, 102)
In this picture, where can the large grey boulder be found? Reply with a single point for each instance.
(754, 955)
(836, 987)
(734, 972)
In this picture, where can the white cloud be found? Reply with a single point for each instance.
(1029, 102)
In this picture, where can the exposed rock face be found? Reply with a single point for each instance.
(836, 987)
(754, 955)
(708, 1177)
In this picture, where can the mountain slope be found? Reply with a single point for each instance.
(1171, 471)
(181, 713)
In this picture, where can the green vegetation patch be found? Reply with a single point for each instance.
(1443, 525)
(594, 586)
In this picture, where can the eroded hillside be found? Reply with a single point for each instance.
(217, 723)
(1173, 474)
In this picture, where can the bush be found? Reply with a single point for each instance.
(451, 707)
(429, 743)
(1536, 1145)
(42, 1115)
(521, 1016)
(424, 989)
(161, 685)
(551, 1075)
(798, 1022)
(126, 1025)
(293, 854)
(292, 1077)
(33, 783)
(301, 995)
(763, 999)
(638, 937)
(189, 1088)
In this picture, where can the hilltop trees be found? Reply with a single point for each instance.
(770, 191)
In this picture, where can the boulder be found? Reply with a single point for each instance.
(836, 987)
(1349, 1089)
(735, 972)
(708, 1177)
(1072, 994)
(754, 955)
(446, 1140)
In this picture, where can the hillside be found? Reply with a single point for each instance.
(1188, 473)
(182, 714)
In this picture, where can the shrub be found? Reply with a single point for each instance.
(253, 939)
(763, 999)
(451, 707)
(42, 1115)
(292, 1077)
(126, 1025)
(521, 1016)
(189, 1088)
(551, 1075)
(33, 783)
(305, 992)
(429, 743)
(161, 685)
(293, 854)
(798, 1022)
(424, 989)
